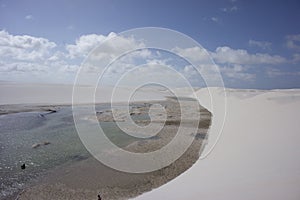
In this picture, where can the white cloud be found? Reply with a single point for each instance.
(116, 46)
(29, 17)
(22, 67)
(192, 75)
(230, 9)
(195, 54)
(105, 49)
(57, 56)
(233, 63)
(29, 57)
(27, 54)
(69, 68)
(273, 73)
(24, 47)
(238, 72)
(226, 55)
(70, 27)
(112, 46)
(293, 42)
(24, 41)
(155, 71)
(296, 58)
(261, 44)
(230, 64)
(85, 44)
(201, 58)
(214, 19)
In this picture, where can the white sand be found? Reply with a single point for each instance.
(258, 154)
(15, 93)
(62, 94)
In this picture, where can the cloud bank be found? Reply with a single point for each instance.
(28, 57)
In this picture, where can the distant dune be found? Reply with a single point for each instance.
(12, 93)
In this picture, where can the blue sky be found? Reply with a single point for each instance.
(265, 32)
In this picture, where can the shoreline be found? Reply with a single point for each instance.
(86, 178)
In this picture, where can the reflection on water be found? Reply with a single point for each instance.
(22, 130)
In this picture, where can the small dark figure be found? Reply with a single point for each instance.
(99, 197)
(23, 166)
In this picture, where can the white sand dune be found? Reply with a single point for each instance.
(13, 93)
(16, 93)
(257, 156)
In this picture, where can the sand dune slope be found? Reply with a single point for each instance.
(257, 156)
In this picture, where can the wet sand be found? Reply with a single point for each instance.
(88, 177)
(18, 108)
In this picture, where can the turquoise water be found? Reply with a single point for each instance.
(21, 130)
